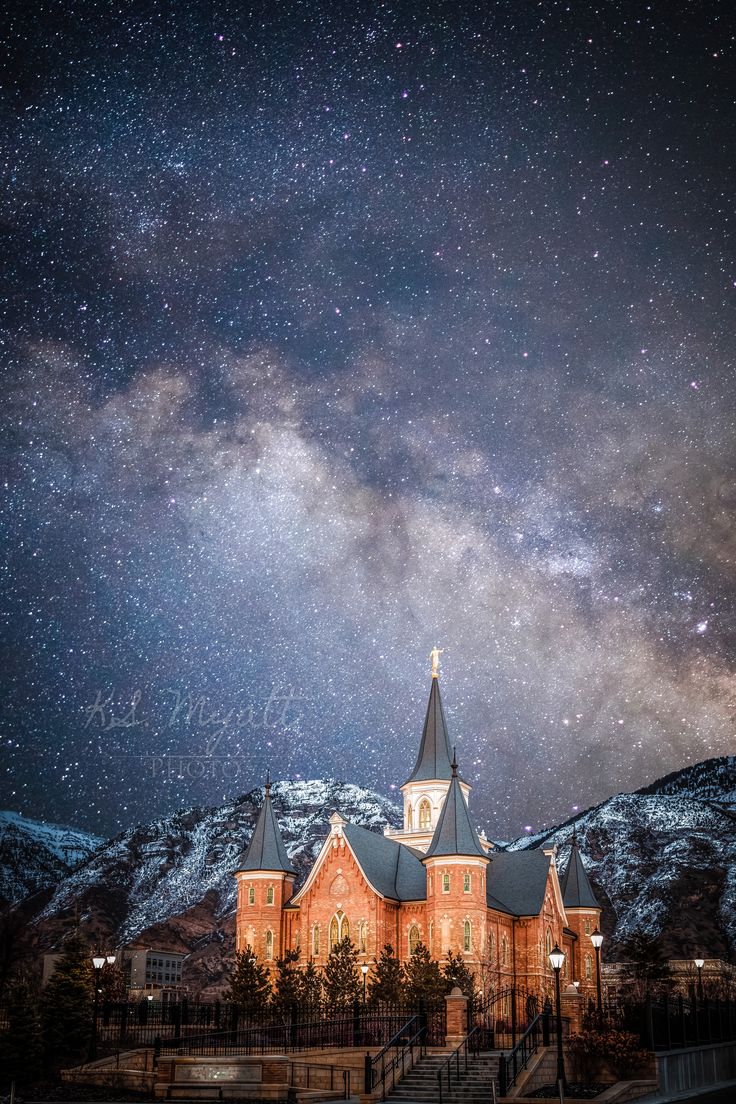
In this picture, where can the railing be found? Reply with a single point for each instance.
(282, 1038)
(511, 1065)
(671, 1024)
(470, 1043)
(306, 1075)
(393, 1056)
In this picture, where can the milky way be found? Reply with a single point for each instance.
(331, 334)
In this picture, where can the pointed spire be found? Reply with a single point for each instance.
(455, 834)
(433, 761)
(575, 886)
(266, 849)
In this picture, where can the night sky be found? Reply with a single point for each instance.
(334, 332)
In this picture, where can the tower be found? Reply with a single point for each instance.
(583, 917)
(265, 880)
(428, 784)
(456, 864)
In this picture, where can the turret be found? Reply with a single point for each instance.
(265, 879)
(456, 864)
(583, 917)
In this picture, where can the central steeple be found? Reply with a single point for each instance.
(426, 787)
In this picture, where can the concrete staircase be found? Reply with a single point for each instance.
(420, 1086)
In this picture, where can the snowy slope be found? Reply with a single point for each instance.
(35, 855)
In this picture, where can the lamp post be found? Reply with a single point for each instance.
(556, 959)
(700, 963)
(364, 972)
(597, 940)
(98, 961)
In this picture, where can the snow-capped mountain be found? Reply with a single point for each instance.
(663, 859)
(170, 883)
(35, 855)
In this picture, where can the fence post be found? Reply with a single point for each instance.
(502, 1078)
(513, 1017)
(367, 1073)
(667, 1028)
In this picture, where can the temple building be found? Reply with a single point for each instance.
(436, 881)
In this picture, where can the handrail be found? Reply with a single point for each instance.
(345, 1071)
(401, 1045)
(511, 1065)
(475, 1036)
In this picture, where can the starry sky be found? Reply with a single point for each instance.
(334, 332)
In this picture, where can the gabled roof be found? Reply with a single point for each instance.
(516, 882)
(266, 849)
(454, 834)
(577, 891)
(393, 869)
(434, 760)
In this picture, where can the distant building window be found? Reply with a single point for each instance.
(467, 940)
(413, 939)
(269, 895)
(445, 883)
(315, 939)
(425, 814)
(251, 895)
(588, 967)
(466, 883)
(269, 944)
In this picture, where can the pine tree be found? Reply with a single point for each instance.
(309, 991)
(250, 986)
(67, 1004)
(648, 966)
(342, 984)
(456, 973)
(287, 987)
(21, 1044)
(424, 981)
(388, 983)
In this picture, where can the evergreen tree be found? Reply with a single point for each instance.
(456, 973)
(250, 986)
(648, 968)
(424, 980)
(21, 1044)
(286, 994)
(342, 982)
(388, 983)
(309, 991)
(66, 1005)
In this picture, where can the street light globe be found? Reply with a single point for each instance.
(556, 958)
(700, 963)
(597, 939)
(98, 961)
(364, 969)
(111, 960)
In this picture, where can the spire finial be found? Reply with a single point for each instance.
(268, 784)
(574, 835)
(434, 655)
(453, 764)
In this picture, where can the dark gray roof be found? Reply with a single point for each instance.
(577, 891)
(434, 760)
(266, 849)
(454, 834)
(516, 881)
(393, 869)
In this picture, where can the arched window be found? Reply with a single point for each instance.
(269, 944)
(588, 928)
(431, 934)
(297, 940)
(315, 940)
(548, 942)
(467, 940)
(409, 817)
(413, 939)
(504, 951)
(251, 895)
(491, 946)
(425, 814)
(466, 883)
(362, 937)
(339, 929)
(269, 895)
(588, 967)
(445, 883)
